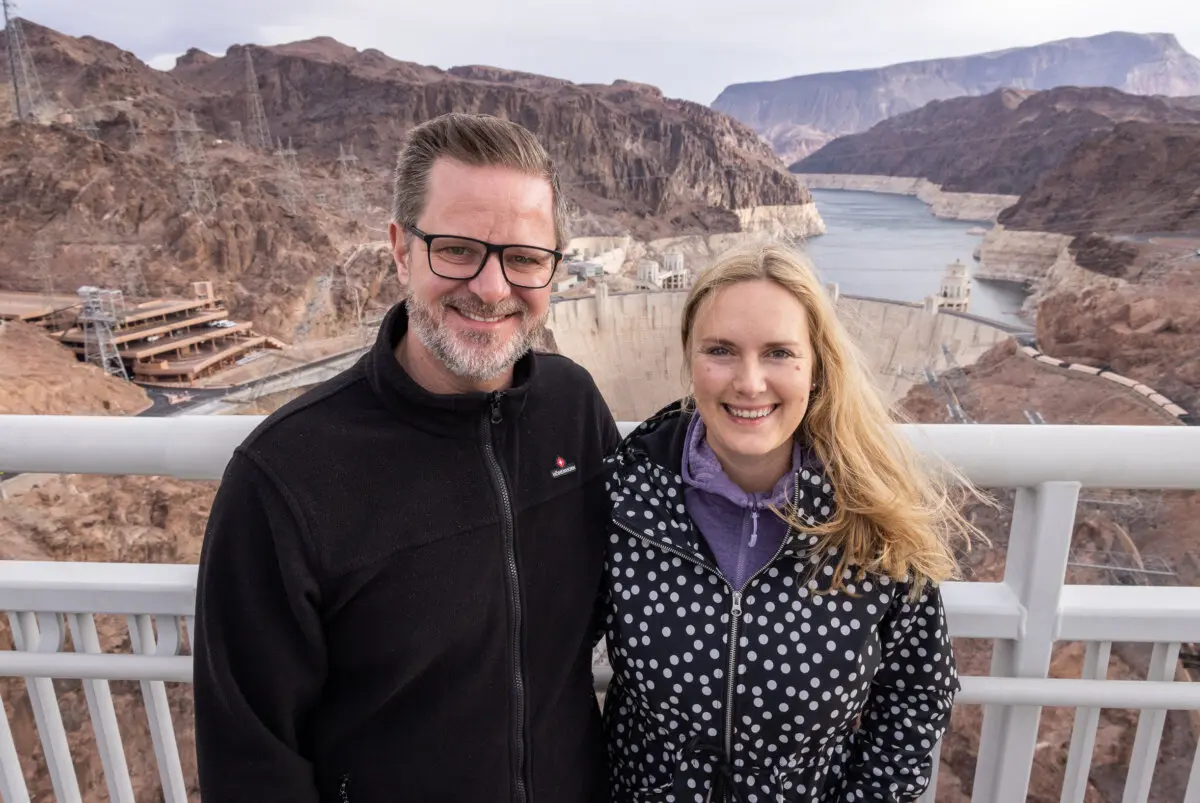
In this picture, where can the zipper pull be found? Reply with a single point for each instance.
(496, 396)
(737, 605)
(753, 526)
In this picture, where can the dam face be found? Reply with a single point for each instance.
(630, 343)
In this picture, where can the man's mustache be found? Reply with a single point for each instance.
(472, 305)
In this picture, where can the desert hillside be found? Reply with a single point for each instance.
(1139, 177)
(100, 190)
(798, 115)
(1000, 143)
(40, 377)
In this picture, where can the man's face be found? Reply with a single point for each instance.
(476, 328)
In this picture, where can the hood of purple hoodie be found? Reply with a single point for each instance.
(702, 470)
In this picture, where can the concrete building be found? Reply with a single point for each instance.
(565, 283)
(679, 280)
(585, 269)
(673, 262)
(648, 271)
(955, 292)
(672, 275)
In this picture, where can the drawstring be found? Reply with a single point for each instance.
(753, 525)
(723, 790)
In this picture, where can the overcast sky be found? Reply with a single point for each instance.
(690, 48)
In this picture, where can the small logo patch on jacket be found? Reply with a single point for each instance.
(561, 467)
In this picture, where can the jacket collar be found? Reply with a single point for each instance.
(648, 500)
(454, 414)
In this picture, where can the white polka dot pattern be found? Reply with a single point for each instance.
(837, 696)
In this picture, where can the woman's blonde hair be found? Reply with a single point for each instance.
(893, 515)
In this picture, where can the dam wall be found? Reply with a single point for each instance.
(630, 344)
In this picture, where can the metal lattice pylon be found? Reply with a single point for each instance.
(135, 274)
(194, 183)
(289, 176)
(100, 312)
(86, 125)
(28, 100)
(350, 181)
(256, 117)
(239, 138)
(41, 261)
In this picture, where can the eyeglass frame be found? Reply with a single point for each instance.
(489, 249)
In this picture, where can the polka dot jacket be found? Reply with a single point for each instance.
(781, 691)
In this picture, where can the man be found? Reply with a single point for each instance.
(398, 573)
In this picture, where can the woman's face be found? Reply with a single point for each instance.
(752, 368)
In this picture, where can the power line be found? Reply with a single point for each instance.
(289, 176)
(194, 183)
(351, 185)
(260, 130)
(87, 126)
(28, 100)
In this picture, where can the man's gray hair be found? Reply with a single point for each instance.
(478, 140)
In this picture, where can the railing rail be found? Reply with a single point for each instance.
(1026, 614)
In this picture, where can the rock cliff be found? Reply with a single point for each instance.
(1148, 332)
(1002, 143)
(108, 216)
(623, 149)
(104, 208)
(794, 114)
(1139, 177)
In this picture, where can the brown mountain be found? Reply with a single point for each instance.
(797, 115)
(1000, 143)
(1137, 178)
(626, 152)
(632, 161)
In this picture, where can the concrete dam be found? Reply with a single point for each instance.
(630, 342)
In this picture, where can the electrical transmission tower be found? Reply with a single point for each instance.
(260, 131)
(239, 138)
(289, 176)
(99, 314)
(194, 183)
(41, 260)
(28, 100)
(85, 125)
(351, 182)
(135, 275)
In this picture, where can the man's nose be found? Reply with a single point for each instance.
(490, 286)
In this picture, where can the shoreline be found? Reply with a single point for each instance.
(975, 207)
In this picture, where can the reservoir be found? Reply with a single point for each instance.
(891, 247)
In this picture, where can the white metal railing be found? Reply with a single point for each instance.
(1025, 615)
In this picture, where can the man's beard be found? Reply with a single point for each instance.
(471, 355)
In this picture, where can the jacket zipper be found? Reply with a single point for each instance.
(514, 582)
(735, 613)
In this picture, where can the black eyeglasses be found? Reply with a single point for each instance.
(463, 258)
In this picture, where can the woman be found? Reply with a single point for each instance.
(772, 612)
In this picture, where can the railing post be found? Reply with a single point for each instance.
(1036, 567)
(47, 715)
(12, 777)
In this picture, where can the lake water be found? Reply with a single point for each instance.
(890, 246)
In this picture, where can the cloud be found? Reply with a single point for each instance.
(689, 48)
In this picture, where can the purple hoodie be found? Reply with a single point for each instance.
(739, 527)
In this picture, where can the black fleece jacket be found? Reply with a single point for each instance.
(395, 592)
